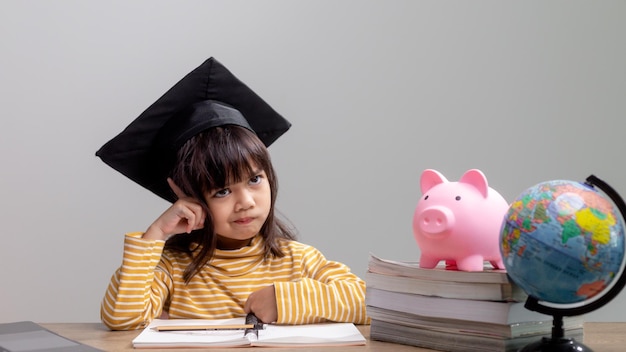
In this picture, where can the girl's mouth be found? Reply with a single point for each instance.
(244, 221)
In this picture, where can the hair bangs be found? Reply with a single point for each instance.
(236, 154)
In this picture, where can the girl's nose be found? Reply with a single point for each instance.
(245, 200)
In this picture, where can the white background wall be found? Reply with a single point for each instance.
(377, 91)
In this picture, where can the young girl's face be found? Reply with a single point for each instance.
(240, 209)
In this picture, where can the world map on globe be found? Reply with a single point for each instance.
(562, 241)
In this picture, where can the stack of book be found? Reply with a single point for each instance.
(451, 310)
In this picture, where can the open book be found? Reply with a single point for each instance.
(325, 334)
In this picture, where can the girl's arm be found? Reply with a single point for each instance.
(328, 291)
(138, 289)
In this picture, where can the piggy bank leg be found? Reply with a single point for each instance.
(471, 263)
(428, 262)
(498, 264)
(451, 265)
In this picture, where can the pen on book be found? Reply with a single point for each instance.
(203, 327)
(252, 325)
(253, 332)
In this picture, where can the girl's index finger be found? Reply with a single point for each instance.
(177, 191)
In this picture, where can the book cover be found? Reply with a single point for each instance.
(497, 312)
(440, 273)
(383, 331)
(455, 326)
(324, 334)
(489, 291)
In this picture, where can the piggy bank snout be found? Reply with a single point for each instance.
(434, 220)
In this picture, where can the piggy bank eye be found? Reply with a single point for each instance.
(458, 198)
(426, 197)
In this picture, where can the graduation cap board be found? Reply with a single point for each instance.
(208, 96)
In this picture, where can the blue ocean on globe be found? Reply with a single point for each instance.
(562, 241)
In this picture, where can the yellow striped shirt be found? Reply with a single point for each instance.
(309, 288)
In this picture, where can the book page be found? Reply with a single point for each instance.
(151, 338)
(324, 334)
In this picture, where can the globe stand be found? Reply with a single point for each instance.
(558, 342)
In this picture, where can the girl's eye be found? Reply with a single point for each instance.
(221, 193)
(255, 180)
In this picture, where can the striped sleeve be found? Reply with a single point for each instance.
(137, 289)
(327, 291)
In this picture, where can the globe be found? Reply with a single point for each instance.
(562, 241)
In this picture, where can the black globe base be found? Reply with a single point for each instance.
(557, 342)
(548, 344)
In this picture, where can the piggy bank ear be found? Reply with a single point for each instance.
(477, 179)
(430, 178)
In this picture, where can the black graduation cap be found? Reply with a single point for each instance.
(208, 96)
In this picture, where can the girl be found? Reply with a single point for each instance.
(219, 251)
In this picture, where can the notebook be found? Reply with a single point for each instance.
(271, 335)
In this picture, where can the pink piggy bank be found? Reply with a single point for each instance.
(459, 222)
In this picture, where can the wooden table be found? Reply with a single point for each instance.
(601, 337)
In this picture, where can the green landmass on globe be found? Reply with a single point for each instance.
(562, 241)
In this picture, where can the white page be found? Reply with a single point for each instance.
(310, 334)
(151, 337)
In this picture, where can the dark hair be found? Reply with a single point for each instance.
(212, 160)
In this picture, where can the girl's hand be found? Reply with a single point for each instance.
(263, 304)
(185, 215)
